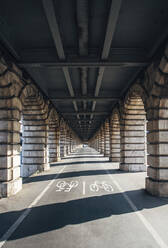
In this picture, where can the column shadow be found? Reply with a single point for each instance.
(65, 175)
(51, 217)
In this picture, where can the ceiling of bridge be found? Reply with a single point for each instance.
(83, 54)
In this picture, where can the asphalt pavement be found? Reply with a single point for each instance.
(84, 201)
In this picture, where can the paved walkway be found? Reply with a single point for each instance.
(84, 202)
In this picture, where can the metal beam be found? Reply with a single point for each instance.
(111, 26)
(53, 25)
(83, 63)
(83, 22)
(118, 53)
(83, 98)
(85, 113)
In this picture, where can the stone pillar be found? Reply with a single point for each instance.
(157, 137)
(67, 142)
(58, 143)
(71, 143)
(96, 142)
(106, 138)
(34, 149)
(35, 154)
(133, 136)
(10, 180)
(10, 114)
(62, 142)
(114, 139)
(99, 141)
(53, 143)
(102, 140)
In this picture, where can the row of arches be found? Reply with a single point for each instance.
(138, 128)
(45, 136)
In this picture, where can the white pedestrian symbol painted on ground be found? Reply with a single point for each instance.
(66, 187)
(96, 186)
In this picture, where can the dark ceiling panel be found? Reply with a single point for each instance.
(116, 79)
(141, 23)
(26, 23)
(98, 14)
(49, 79)
(28, 32)
(66, 18)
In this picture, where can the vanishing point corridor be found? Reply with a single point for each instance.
(84, 202)
(84, 124)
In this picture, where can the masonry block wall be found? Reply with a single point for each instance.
(63, 148)
(22, 104)
(133, 135)
(53, 137)
(115, 137)
(106, 138)
(34, 126)
(102, 140)
(143, 112)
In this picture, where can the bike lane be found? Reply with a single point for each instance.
(82, 208)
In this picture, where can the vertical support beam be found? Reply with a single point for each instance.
(106, 138)
(53, 143)
(99, 140)
(67, 142)
(114, 138)
(35, 154)
(62, 142)
(102, 140)
(10, 180)
(157, 139)
(133, 136)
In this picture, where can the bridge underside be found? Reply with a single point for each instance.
(83, 72)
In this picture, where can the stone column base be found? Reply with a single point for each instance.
(114, 159)
(133, 167)
(10, 188)
(55, 160)
(106, 155)
(58, 159)
(28, 170)
(157, 188)
(46, 167)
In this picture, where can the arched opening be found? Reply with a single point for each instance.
(53, 137)
(10, 113)
(115, 137)
(67, 141)
(62, 139)
(133, 135)
(34, 132)
(106, 138)
(102, 139)
(157, 137)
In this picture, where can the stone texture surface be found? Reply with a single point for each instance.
(133, 134)
(114, 138)
(106, 138)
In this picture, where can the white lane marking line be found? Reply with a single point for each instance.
(84, 187)
(146, 223)
(11, 230)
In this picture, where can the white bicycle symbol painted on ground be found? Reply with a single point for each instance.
(66, 187)
(96, 186)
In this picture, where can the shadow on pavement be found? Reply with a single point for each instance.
(72, 174)
(80, 162)
(83, 156)
(51, 217)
